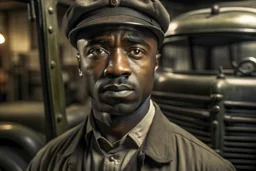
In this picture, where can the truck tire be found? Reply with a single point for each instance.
(10, 160)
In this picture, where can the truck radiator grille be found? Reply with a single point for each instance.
(239, 145)
(190, 112)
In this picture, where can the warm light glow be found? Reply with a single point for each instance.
(2, 39)
(173, 26)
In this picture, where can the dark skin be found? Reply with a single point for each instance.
(120, 63)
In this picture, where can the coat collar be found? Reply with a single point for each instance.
(159, 144)
(78, 140)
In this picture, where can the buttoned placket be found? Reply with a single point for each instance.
(112, 163)
(113, 160)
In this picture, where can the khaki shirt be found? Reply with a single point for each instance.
(104, 156)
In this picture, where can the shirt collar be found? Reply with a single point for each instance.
(137, 134)
(77, 139)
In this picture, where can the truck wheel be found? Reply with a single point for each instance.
(11, 160)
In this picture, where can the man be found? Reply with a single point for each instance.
(118, 42)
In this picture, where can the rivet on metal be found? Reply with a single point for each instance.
(59, 118)
(50, 10)
(53, 64)
(50, 29)
(215, 110)
(114, 2)
(215, 9)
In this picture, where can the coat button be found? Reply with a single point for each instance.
(114, 2)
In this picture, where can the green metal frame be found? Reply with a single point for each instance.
(53, 90)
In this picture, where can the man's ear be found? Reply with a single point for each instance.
(158, 56)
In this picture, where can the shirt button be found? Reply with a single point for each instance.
(111, 158)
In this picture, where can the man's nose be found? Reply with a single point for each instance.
(118, 65)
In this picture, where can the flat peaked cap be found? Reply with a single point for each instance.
(84, 14)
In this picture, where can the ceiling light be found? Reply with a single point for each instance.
(2, 39)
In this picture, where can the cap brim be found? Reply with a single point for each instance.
(89, 26)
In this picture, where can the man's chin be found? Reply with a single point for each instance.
(117, 109)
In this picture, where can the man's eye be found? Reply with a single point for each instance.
(136, 52)
(98, 52)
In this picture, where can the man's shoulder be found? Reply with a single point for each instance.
(64, 139)
(55, 148)
(191, 149)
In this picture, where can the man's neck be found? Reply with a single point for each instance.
(113, 127)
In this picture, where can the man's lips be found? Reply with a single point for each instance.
(117, 91)
(117, 87)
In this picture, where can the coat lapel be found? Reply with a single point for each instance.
(75, 152)
(159, 144)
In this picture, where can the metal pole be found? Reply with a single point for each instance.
(53, 90)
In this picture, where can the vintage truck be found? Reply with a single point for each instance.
(206, 79)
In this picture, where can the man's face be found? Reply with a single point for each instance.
(122, 61)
